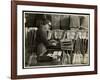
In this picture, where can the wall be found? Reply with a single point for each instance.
(5, 40)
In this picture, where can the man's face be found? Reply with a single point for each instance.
(47, 27)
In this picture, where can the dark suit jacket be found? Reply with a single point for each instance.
(41, 41)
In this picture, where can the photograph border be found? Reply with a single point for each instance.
(14, 38)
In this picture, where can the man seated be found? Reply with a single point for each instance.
(42, 41)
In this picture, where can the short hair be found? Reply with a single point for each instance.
(44, 22)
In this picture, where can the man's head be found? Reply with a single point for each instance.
(45, 25)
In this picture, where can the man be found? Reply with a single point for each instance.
(42, 41)
(41, 37)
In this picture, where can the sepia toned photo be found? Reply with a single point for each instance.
(55, 39)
